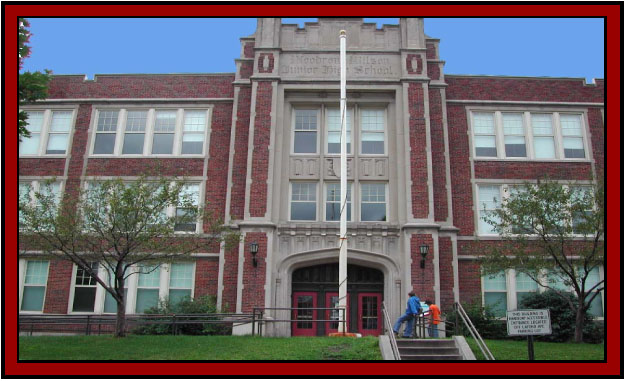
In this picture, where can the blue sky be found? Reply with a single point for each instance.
(525, 47)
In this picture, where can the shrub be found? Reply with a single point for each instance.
(483, 319)
(201, 305)
(562, 317)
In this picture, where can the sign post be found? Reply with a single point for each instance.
(528, 323)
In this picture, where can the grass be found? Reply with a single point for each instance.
(518, 350)
(197, 348)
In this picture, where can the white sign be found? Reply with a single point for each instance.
(528, 322)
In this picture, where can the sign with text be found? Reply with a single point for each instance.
(528, 322)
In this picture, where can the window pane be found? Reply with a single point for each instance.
(136, 121)
(303, 211)
(373, 212)
(146, 298)
(36, 273)
(573, 147)
(194, 120)
(495, 282)
(303, 192)
(192, 143)
(306, 120)
(61, 121)
(485, 146)
(165, 121)
(596, 306)
(35, 121)
(149, 279)
(177, 295)
(525, 283)
(32, 298)
(30, 146)
(133, 144)
(372, 143)
(181, 275)
(542, 124)
(483, 226)
(305, 142)
(110, 304)
(104, 144)
(84, 299)
(83, 278)
(515, 146)
(372, 120)
(570, 125)
(373, 192)
(497, 302)
(488, 197)
(185, 215)
(513, 124)
(57, 144)
(162, 143)
(107, 121)
(191, 193)
(484, 123)
(544, 147)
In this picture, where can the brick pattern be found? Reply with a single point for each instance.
(438, 150)
(462, 203)
(260, 153)
(531, 170)
(469, 282)
(254, 277)
(248, 50)
(207, 272)
(422, 280)
(41, 167)
(142, 86)
(229, 279)
(240, 158)
(138, 166)
(58, 288)
(409, 64)
(270, 60)
(246, 69)
(596, 126)
(524, 89)
(417, 136)
(217, 168)
(446, 273)
(78, 150)
(431, 52)
(434, 72)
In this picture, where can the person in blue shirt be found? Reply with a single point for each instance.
(412, 310)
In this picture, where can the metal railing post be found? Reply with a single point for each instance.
(253, 319)
(87, 327)
(174, 327)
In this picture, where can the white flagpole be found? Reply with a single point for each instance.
(343, 223)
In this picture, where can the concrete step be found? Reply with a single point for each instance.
(429, 350)
(430, 357)
(434, 343)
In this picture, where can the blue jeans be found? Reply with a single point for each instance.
(408, 330)
(432, 330)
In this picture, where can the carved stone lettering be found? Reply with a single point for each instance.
(325, 66)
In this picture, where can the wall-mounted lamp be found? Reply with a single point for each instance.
(254, 248)
(424, 253)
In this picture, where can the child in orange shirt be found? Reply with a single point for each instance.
(435, 318)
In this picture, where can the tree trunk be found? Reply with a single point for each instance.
(580, 323)
(120, 323)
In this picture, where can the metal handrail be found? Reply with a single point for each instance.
(473, 331)
(258, 320)
(390, 333)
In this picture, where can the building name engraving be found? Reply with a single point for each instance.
(359, 66)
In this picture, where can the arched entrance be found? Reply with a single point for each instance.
(316, 286)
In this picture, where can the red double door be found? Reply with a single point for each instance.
(367, 317)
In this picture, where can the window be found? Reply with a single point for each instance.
(190, 194)
(373, 202)
(193, 132)
(581, 194)
(30, 146)
(24, 197)
(596, 309)
(373, 132)
(495, 293)
(514, 136)
(543, 136)
(524, 287)
(164, 128)
(85, 287)
(50, 131)
(333, 202)
(303, 201)
(34, 290)
(305, 131)
(110, 304)
(571, 127)
(488, 201)
(148, 284)
(135, 133)
(333, 126)
(181, 281)
(28, 189)
(106, 131)
(485, 134)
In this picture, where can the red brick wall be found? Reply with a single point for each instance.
(78, 149)
(246, 69)
(248, 50)
(438, 152)
(446, 273)
(142, 86)
(270, 65)
(469, 282)
(596, 126)
(260, 154)
(58, 289)
(417, 136)
(431, 52)
(462, 204)
(229, 279)
(422, 280)
(41, 167)
(254, 277)
(138, 166)
(207, 272)
(240, 158)
(523, 89)
(531, 170)
(434, 72)
(409, 67)
(217, 168)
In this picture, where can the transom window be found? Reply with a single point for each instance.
(150, 132)
(49, 130)
(528, 135)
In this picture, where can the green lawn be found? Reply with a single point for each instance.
(518, 350)
(197, 348)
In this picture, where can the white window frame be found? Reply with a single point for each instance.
(349, 117)
(44, 134)
(384, 132)
(98, 298)
(22, 267)
(360, 199)
(528, 134)
(317, 197)
(149, 131)
(318, 130)
(36, 184)
(125, 131)
(351, 187)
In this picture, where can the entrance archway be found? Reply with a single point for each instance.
(317, 286)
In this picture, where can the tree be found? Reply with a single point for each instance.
(555, 235)
(31, 86)
(114, 228)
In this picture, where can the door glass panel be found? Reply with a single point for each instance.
(305, 317)
(369, 313)
(334, 314)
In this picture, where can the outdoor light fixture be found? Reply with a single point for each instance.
(424, 253)
(254, 248)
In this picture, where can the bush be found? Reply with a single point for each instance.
(562, 317)
(483, 319)
(201, 305)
